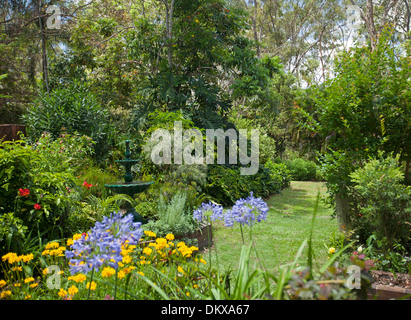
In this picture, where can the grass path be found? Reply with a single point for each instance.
(279, 238)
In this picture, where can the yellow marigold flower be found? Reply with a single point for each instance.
(107, 272)
(125, 252)
(180, 244)
(33, 285)
(78, 278)
(150, 234)
(5, 294)
(92, 287)
(170, 237)
(45, 271)
(16, 269)
(52, 245)
(147, 251)
(28, 280)
(161, 243)
(140, 273)
(27, 297)
(2, 283)
(62, 293)
(69, 242)
(127, 259)
(45, 252)
(72, 290)
(27, 257)
(77, 236)
(203, 261)
(128, 269)
(11, 257)
(331, 250)
(143, 262)
(17, 285)
(121, 274)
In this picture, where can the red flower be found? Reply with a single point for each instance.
(24, 192)
(87, 185)
(37, 206)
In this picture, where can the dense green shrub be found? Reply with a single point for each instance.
(279, 173)
(70, 109)
(226, 184)
(302, 170)
(382, 203)
(33, 197)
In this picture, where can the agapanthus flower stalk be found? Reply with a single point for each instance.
(102, 245)
(247, 211)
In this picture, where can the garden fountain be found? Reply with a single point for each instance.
(129, 187)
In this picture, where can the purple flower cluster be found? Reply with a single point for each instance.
(103, 244)
(211, 210)
(244, 211)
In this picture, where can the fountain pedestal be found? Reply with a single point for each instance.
(130, 187)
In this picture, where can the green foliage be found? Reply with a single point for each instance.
(174, 216)
(279, 173)
(302, 170)
(39, 198)
(226, 184)
(66, 153)
(365, 107)
(383, 202)
(187, 60)
(12, 232)
(395, 259)
(71, 109)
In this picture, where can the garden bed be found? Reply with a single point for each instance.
(387, 286)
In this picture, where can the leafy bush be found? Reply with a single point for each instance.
(302, 170)
(173, 217)
(68, 152)
(39, 198)
(73, 108)
(226, 184)
(279, 173)
(383, 202)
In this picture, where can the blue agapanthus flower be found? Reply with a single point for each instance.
(247, 211)
(212, 210)
(103, 244)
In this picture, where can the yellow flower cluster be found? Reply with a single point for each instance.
(185, 250)
(54, 249)
(12, 257)
(78, 278)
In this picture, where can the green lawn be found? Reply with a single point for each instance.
(279, 238)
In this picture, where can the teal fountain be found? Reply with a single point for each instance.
(130, 187)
